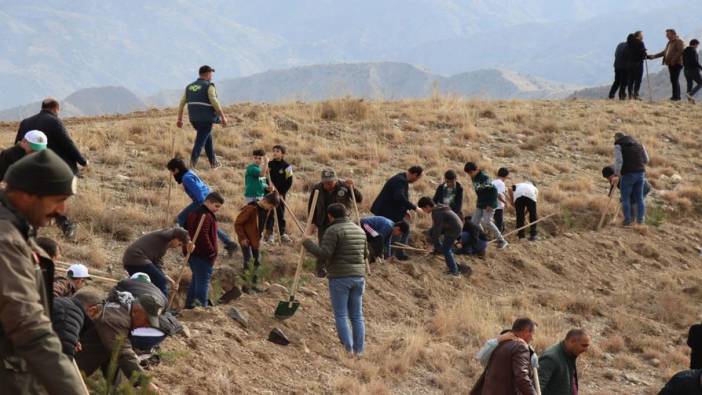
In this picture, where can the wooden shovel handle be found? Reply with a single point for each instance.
(310, 216)
(187, 258)
(299, 226)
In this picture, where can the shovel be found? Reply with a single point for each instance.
(606, 210)
(287, 308)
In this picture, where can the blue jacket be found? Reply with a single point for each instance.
(381, 225)
(195, 187)
(393, 200)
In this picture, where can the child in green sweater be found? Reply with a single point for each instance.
(255, 185)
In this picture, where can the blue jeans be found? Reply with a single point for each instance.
(347, 302)
(468, 248)
(203, 138)
(200, 283)
(158, 278)
(403, 238)
(183, 217)
(445, 245)
(632, 192)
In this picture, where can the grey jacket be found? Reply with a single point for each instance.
(343, 249)
(444, 222)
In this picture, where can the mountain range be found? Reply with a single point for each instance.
(380, 81)
(56, 47)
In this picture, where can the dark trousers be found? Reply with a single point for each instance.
(63, 222)
(280, 210)
(249, 253)
(634, 74)
(521, 206)
(158, 278)
(203, 138)
(620, 83)
(692, 76)
(499, 219)
(675, 80)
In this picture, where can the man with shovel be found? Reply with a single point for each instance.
(343, 251)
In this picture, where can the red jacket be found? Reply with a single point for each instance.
(206, 243)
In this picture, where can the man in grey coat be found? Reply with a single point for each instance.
(445, 230)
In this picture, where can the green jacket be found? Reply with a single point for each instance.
(343, 248)
(556, 370)
(254, 184)
(31, 359)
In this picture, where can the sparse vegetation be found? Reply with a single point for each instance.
(624, 285)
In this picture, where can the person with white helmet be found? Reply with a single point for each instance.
(76, 277)
(33, 141)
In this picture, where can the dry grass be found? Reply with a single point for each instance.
(605, 282)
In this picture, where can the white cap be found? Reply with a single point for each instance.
(36, 139)
(78, 270)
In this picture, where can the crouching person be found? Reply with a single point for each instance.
(249, 225)
(445, 229)
(70, 318)
(473, 240)
(113, 321)
(343, 249)
(379, 233)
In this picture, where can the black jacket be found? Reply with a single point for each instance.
(67, 318)
(457, 203)
(633, 154)
(393, 200)
(282, 180)
(686, 382)
(10, 156)
(691, 59)
(635, 52)
(59, 140)
(694, 341)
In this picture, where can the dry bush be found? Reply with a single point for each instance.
(613, 344)
(580, 184)
(671, 308)
(344, 109)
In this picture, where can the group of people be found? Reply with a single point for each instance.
(40, 175)
(629, 58)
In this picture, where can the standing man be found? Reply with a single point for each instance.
(60, 142)
(203, 110)
(635, 56)
(32, 361)
(509, 370)
(630, 159)
(393, 201)
(673, 58)
(558, 372)
(33, 141)
(331, 190)
(343, 249)
(691, 63)
(620, 77)
(487, 201)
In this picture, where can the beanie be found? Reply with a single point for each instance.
(41, 173)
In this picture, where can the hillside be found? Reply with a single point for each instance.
(635, 289)
(146, 46)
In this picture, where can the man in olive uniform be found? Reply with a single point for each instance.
(203, 110)
(331, 190)
(38, 186)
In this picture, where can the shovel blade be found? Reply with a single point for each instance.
(286, 309)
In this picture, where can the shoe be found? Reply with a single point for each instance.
(285, 238)
(690, 99)
(215, 165)
(502, 244)
(453, 274)
(481, 254)
(231, 249)
(193, 164)
(270, 239)
(533, 238)
(402, 257)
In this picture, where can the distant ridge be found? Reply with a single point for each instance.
(379, 81)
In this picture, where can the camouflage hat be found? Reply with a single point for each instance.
(328, 175)
(153, 307)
